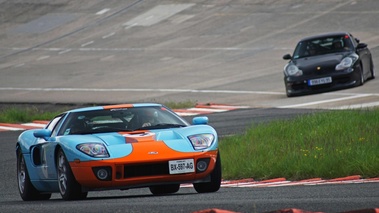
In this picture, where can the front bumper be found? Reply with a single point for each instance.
(125, 174)
(340, 80)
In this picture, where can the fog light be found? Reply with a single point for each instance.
(103, 173)
(201, 166)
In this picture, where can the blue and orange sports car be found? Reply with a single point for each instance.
(117, 147)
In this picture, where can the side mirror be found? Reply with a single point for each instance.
(42, 133)
(361, 45)
(200, 120)
(287, 56)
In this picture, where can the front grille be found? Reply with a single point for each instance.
(141, 170)
(321, 86)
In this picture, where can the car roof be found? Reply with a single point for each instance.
(116, 106)
(325, 35)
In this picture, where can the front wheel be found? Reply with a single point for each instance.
(69, 188)
(372, 70)
(361, 78)
(215, 183)
(25, 187)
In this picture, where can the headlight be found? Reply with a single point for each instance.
(292, 70)
(96, 150)
(201, 141)
(347, 62)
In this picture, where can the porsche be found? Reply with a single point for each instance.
(327, 62)
(119, 147)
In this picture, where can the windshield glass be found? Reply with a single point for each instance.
(120, 119)
(323, 45)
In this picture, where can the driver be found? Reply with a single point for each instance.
(149, 117)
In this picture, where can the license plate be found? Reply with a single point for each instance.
(319, 81)
(181, 166)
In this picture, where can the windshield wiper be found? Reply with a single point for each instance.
(161, 126)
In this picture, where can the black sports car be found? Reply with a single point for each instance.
(327, 62)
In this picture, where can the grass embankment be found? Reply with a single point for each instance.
(22, 115)
(27, 113)
(326, 145)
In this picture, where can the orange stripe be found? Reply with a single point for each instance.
(118, 106)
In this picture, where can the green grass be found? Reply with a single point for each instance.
(22, 114)
(327, 145)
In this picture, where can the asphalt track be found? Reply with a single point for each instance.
(275, 195)
(208, 51)
(228, 51)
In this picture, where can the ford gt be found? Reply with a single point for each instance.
(117, 147)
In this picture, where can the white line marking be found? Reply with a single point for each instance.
(34, 125)
(107, 58)
(19, 65)
(130, 26)
(43, 57)
(225, 107)
(324, 101)
(10, 128)
(354, 95)
(64, 51)
(101, 12)
(86, 44)
(206, 110)
(350, 95)
(157, 14)
(150, 17)
(186, 113)
(109, 35)
(153, 49)
(358, 106)
(139, 90)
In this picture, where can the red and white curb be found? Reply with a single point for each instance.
(199, 109)
(24, 126)
(283, 182)
(293, 210)
(208, 108)
(277, 182)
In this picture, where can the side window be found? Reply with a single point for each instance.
(353, 40)
(54, 124)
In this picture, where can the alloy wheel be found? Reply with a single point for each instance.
(21, 175)
(62, 173)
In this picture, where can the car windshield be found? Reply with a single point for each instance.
(323, 45)
(120, 119)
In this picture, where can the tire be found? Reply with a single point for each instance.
(164, 189)
(372, 70)
(26, 189)
(69, 188)
(289, 95)
(361, 79)
(215, 183)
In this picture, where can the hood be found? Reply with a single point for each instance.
(120, 144)
(138, 137)
(326, 62)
